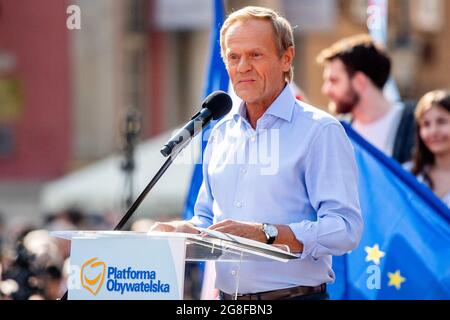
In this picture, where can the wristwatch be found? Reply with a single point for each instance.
(271, 232)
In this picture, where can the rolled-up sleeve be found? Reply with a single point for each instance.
(203, 216)
(203, 213)
(332, 184)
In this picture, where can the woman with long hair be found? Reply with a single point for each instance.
(431, 160)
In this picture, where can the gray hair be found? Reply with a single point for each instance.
(282, 30)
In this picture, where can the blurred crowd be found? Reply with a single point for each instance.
(34, 265)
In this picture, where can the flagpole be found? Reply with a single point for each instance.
(377, 20)
(377, 23)
(216, 79)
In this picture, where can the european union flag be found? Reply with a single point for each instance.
(405, 249)
(217, 79)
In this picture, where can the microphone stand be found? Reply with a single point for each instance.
(141, 198)
(131, 131)
(143, 194)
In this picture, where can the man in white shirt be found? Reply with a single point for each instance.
(303, 193)
(355, 72)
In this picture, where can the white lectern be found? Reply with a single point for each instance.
(124, 265)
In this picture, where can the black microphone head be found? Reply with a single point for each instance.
(219, 103)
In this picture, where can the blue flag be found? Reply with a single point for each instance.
(217, 79)
(405, 248)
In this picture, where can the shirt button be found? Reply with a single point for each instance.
(253, 138)
(243, 171)
(233, 272)
(238, 204)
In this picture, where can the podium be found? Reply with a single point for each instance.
(125, 265)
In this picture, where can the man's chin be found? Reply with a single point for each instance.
(246, 96)
(342, 108)
(332, 107)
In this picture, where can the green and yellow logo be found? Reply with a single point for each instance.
(96, 271)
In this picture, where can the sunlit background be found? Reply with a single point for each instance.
(79, 107)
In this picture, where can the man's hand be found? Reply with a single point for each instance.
(247, 230)
(174, 226)
(254, 231)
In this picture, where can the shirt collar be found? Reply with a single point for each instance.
(282, 107)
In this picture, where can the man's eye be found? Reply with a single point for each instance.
(256, 55)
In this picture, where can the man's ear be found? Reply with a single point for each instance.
(288, 58)
(360, 81)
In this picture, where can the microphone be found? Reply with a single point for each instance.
(215, 106)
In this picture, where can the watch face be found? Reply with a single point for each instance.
(271, 230)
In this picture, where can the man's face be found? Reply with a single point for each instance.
(253, 63)
(338, 87)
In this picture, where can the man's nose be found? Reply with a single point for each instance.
(326, 88)
(244, 65)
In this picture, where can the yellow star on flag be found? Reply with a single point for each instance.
(396, 279)
(374, 254)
